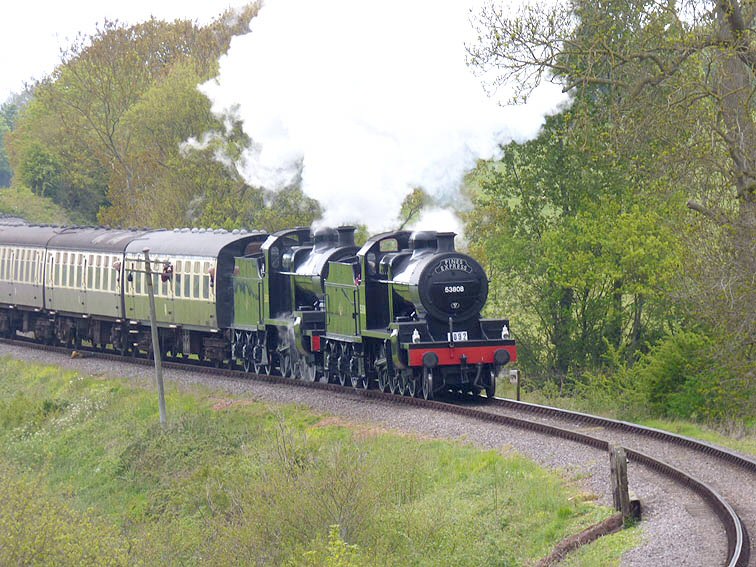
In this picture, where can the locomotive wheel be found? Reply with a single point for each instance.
(427, 384)
(382, 369)
(364, 382)
(410, 386)
(358, 381)
(257, 356)
(287, 364)
(308, 372)
(247, 352)
(345, 354)
(395, 383)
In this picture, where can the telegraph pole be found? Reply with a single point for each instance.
(155, 339)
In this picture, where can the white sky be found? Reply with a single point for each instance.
(33, 32)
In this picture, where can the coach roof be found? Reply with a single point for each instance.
(95, 239)
(190, 242)
(26, 235)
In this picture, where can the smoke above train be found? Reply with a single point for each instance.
(364, 102)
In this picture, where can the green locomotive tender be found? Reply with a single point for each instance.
(401, 313)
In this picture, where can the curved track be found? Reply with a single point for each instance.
(557, 423)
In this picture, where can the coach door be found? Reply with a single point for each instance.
(81, 281)
(52, 278)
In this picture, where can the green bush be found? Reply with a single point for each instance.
(39, 528)
(681, 378)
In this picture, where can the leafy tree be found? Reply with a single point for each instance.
(100, 114)
(412, 206)
(5, 170)
(41, 171)
(676, 83)
(580, 261)
(8, 114)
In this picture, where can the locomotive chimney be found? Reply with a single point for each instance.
(445, 241)
(346, 235)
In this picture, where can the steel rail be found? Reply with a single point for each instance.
(738, 546)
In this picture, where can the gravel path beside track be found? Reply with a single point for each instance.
(678, 526)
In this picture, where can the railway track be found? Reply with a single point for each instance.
(588, 430)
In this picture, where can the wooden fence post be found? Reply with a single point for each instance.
(630, 507)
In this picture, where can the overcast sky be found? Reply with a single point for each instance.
(33, 32)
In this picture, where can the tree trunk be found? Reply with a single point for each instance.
(561, 334)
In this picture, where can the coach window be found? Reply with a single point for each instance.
(205, 280)
(162, 283)
(177, 278)
(64, 269)
(90, 279)
(196, 280)
(72, 270)
(137, 281)
(2, 263)
(36, 271)
(20, 265)
(35, 266)
(187, 279)
(111, 277)
(79, 269)
(96, 267)
(63, 259)
(40, 266)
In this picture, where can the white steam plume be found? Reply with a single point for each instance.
(365, 101)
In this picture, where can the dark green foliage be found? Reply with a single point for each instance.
(640, 208)
(40, 170)
(682, 378)
(579, 261)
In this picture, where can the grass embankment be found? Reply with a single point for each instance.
(88, 476)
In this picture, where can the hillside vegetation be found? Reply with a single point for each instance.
(89, 477)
